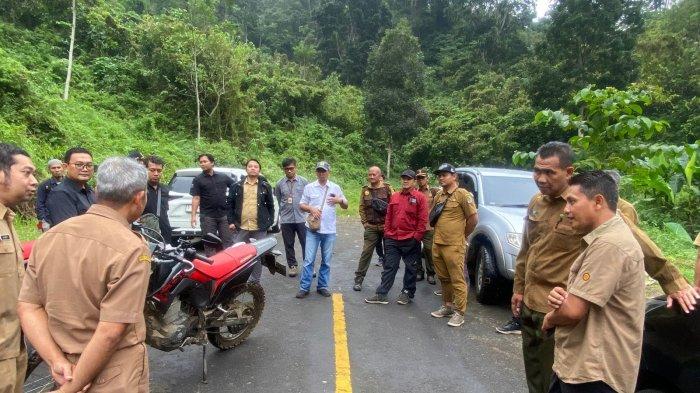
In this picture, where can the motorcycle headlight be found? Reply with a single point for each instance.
(514, 239)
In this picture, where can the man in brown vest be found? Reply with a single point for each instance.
(373, 196)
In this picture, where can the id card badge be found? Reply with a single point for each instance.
(289, 200)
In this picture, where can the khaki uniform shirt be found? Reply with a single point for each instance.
(368, 215)
(452, 224)
(550, 245)
(697, 240)
(627, 209)
(88, 269)
(606, 345)
(249, 212)
(11, 272)
(429, 193)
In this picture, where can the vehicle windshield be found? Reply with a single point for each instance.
(181, 184)
(507, 191)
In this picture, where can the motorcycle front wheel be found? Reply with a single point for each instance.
(246, 304)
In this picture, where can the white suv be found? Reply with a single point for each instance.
(181, 200)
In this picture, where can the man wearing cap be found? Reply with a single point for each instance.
(320, 199)
(406, 218)
(423, 185)
(55, 168)
(374, 196)
(452, 228)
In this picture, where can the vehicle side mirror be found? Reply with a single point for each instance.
(211, 238)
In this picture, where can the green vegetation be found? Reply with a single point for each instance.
(433, 80)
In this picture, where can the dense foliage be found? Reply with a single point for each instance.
(436, 80)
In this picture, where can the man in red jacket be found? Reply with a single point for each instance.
(404, 226)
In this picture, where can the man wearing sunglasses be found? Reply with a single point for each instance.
(74, 196)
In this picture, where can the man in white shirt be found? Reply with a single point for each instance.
(319, 200)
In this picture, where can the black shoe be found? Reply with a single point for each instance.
(419, 277)
(324, 292)
(431, 279)
(357, 287)
(302, 294)
(377, 299)
(404, 298)
(512, 327)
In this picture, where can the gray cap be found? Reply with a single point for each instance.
(323, 165)
(446, 168)
(53, 161)
(408, 173)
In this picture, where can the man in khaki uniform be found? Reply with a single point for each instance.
(455, 224)
(550, 245)
(599, 319)
(372, 220)
(423, 181)
(17, 184)
(87, 279)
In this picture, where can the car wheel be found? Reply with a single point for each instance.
(486, 280)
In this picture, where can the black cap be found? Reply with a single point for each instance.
(445, 168)
(408, 173)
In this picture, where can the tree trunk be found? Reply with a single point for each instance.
(196, 93)
(388, 162)
(70, 54)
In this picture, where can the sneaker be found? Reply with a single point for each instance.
(403, 298)
(302, 294)
(377, 299)
(379, 262)
(456, 320)
(431, 279)
(511, 327)
(323, 292)
(438, 292)
(444, 311)
(293, 271)
(357, 287)
(419, 276)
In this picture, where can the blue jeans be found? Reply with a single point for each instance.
(313, 240)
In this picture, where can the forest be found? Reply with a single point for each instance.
(358, 82)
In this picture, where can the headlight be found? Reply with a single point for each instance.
(514, 239)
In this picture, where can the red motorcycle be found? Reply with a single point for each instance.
(193, 299)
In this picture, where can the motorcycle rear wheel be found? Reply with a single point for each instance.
(247, 301)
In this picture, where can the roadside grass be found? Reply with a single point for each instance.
(679, 251)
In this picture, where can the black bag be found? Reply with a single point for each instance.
(379, 205)
(436, 211)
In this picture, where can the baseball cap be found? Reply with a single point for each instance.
(323, 165)
(408, 173)
(422, 172)
(445, 168)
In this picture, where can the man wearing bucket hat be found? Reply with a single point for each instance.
(454, 217)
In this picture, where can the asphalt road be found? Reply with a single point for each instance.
(392, 348)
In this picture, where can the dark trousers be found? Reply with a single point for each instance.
(379, 248)
(409, 250)
(372, 236)
(538, 350)
(244, 236)
(288, 232)
(428, 254)
(559, 386)
(219, 227)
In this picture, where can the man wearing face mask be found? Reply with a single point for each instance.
(90, 286)
(73, 196)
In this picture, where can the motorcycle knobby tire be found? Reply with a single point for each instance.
(230, 340)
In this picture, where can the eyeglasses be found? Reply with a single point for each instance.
(83, 165)
(421, 177)
(289, 168)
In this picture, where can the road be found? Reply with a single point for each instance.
(392, 348)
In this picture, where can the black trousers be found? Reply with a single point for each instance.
(379, 247)
(394, 250)
(219, 227)
(288, 232)
(558, 386)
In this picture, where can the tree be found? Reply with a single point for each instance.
(70, 52)
(394, 84)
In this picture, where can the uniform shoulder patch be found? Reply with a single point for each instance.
(144, 258)
(586, 276)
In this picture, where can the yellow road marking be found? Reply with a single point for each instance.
(343, 381)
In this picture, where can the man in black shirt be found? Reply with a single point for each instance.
(73, 196)
(55, 168)
(209, 196)
(158, 194)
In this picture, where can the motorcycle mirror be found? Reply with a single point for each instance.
(211, 238)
